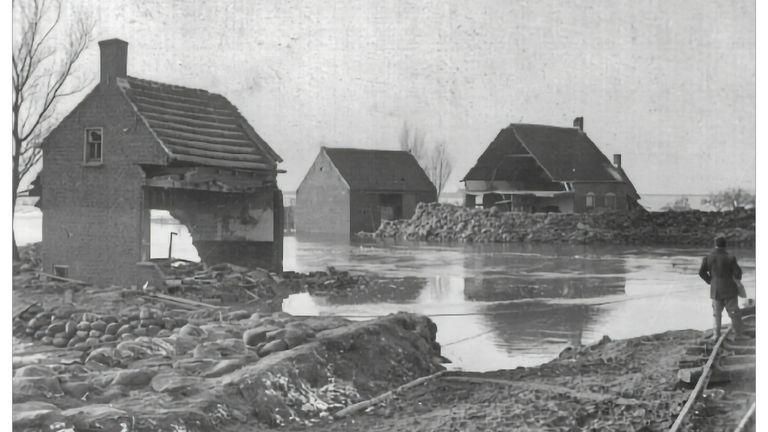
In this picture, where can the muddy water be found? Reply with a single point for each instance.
(497, 306)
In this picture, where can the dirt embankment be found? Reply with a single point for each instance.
(450, 223)
(621, 385)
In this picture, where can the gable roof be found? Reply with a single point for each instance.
(379, 170)
(197, 127)
(565, 154)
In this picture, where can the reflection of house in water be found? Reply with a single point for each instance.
(528, 324)
(539, 168)
(498, 277)
(132, 146)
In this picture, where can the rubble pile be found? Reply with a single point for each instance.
(451, 223)
(243, 369)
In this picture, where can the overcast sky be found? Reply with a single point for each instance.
(668, 84)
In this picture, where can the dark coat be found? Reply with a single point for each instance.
(718, 269)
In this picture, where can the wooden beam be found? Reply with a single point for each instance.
(365, 404)
(222, 163)
(176, 149)
(201, 106)
(204, 138)
(63, 279)
(193, 127)
(176, 119)
(213, 118)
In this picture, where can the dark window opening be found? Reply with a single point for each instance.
(610, 200)
(61, 270)
(93, 145)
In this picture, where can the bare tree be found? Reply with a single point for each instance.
(43, 63)
(439, 166)
(412, 141)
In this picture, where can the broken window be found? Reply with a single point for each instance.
(93, 145)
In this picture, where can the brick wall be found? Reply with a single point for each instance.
(600, 190)
(92, 214)
(322, 200)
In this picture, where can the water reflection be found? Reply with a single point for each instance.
(498, 277)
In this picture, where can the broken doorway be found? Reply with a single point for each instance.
(170, 238)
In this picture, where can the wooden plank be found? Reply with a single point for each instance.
(214, 154)
(177, 120)
(217, 138)
(382, 397)
(203, 106)
(222, 163)
(228, 119)
(701, 384)
(63, 279)
(194, 128)
(597, 397)
(181, 300)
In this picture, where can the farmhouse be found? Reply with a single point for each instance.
(133, 145)
(351, 190)
(536, 168)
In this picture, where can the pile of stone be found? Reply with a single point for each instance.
(450, 223)
(242, 369)
(66, 327)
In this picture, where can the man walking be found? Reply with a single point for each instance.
(719, 269)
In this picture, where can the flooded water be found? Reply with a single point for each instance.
(498, 306)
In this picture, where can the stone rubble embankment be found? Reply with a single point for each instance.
(450, 223)
(115, 358)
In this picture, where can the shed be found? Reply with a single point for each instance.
(349, 190)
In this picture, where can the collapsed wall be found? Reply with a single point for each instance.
(451, 223)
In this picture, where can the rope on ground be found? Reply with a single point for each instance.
(468, 338)
(703, 379)
(744, 420)
(367, 403)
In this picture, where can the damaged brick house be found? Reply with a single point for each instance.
(133, 145)
(350, 190)
(537, 168)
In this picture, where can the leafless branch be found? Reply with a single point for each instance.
(43, 71)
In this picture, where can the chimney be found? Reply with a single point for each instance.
(578, 122)
(114, 60)
(617, 160)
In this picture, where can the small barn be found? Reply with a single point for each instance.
(538, 168)
(351, 190)
(134, 145)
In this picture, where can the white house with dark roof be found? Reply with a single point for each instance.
(538, 168)
(133, 145)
